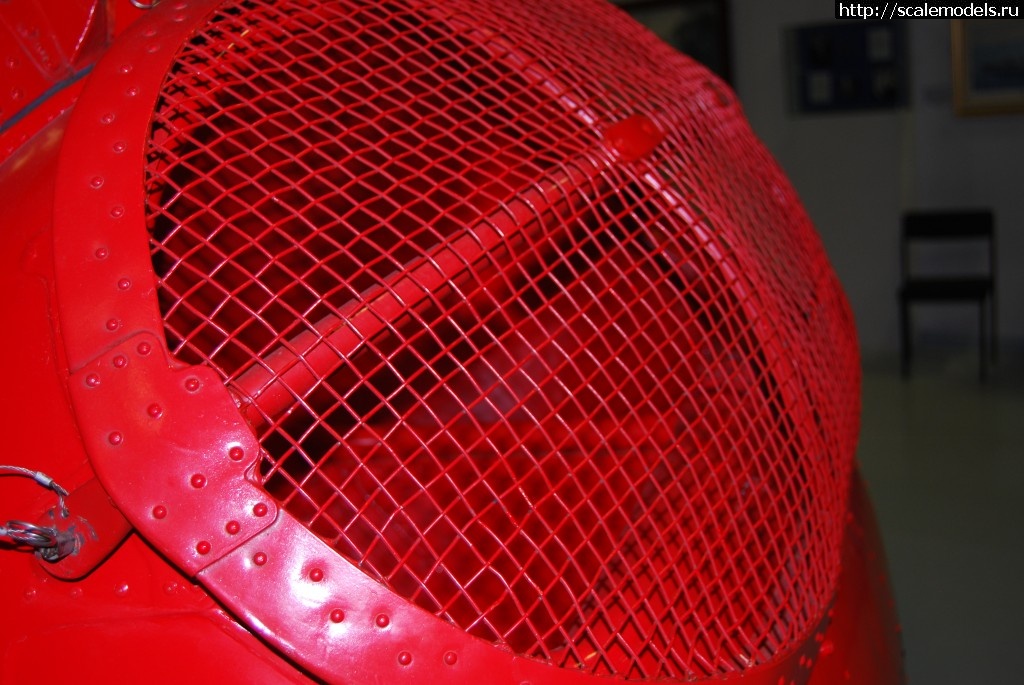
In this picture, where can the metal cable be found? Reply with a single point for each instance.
(41, 538)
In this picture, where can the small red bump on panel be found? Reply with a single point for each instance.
(155, 411)
(192, 384)
(198, 480)
(827, 647)
(203, 547)
(120, 361)
(92, 380)
(236, 453)
(120, 146)
(233, 527)
(260, 509)
(115, 438)
(159, 511)
(404, 658)
(259, 558)
(337, 616)
(450, 658)
(124, 284)
(144, 348)
(96, 182)
(102, 253)
(633, 138)
(113, 324)
(316, 575)
(382, 621)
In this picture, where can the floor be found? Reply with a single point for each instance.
(944, 459)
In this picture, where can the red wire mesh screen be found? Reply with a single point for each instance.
(599, 410)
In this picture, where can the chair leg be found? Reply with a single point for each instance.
(983, 343)
(905, 349)
(993, 328)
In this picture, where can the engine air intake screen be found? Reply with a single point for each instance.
(530, 328)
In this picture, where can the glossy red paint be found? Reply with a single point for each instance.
(225, 579)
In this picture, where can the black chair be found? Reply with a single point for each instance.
(960, 226)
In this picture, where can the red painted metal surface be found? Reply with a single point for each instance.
(427, 342)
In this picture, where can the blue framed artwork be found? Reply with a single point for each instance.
(850, 67)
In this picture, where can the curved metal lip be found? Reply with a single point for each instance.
(172, 449)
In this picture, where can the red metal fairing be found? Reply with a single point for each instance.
(440, 342)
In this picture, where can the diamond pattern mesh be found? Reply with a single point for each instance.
(600, 411)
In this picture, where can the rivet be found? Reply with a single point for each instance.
(120, 361)
(120, 146)
(144, 348)
(233, 527)
(178, 18)
(76, 593)
(382, 620)
(117, 211)
(92, 380)
(150, 32)
(203, 547)
(121, 589)
(115, 438)
(259, 558)
(450, 658)
(132, 92)
(337, 616)
(155, 410)
(236, 453)
(192, 384)
(316, 575)
(159, 511)
(102, 253)
(260, 509)
(30, 594)
(107, 118)
(152, 49)
(198, 480)
(96, 182)
(126, 69)
(113, 324)
(404, 658)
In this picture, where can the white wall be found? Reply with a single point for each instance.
(857, 172)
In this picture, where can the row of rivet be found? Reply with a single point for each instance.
(192, 384)
(155, 411)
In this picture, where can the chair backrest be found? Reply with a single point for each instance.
(977, 225)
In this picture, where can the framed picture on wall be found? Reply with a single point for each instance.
(699, 28)
(988, 66)
(848, 67)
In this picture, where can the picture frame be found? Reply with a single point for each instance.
(698, 28)
(988, 66)
(847, 67)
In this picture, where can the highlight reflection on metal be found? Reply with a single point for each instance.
(439, 341)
